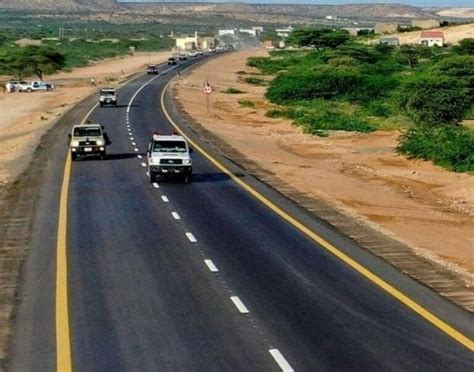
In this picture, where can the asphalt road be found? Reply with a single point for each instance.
(144, 297)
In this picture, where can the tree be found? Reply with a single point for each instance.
(409, 54)
(434, 99)
(318, 38)
(42, 60)
(466, 46)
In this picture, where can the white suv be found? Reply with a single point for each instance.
(169, 156)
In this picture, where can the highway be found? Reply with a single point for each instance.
(206, 277)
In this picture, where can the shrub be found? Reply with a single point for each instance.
(255, 81)
(434, 100)
(246, 103)
(450, 146)
(233, 91)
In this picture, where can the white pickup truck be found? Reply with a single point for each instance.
(36, 86)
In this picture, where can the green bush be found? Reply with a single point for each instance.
(232, 90)
(246, 103)
(451, 147)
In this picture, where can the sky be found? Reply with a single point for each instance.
(419, 3)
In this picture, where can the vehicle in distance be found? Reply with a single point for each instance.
(183, 57)
(35, 86)
(152, 70)
(107, 96)
(172, 61)
(200, 52)
(169, 157)
(14, 85)
(220, 48)
(193, 53)
(87, 140)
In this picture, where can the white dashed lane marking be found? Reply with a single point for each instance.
(239, 305)
(280, 359)
(134, 144)
(211, 266)
(191, 237)
(135, 149)
(143, 164)
(147, 174)
(131, 138)
(165, 199)
(175, 215)
(139, 156)
(155, 185)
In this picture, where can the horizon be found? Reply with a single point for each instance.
(415, 3)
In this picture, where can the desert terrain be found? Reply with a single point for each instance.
(452, 35)
(25, 117)
(426, 207)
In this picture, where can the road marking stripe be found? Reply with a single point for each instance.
(191, 237)
(135, 149)
(147, 174)
(239, 305)
(388, 288)
(139, 156)
(165, 199)
(63, 340)
(280, 359)
(211, 266)
(130, 134)
(132, 139)
(155, 185)
(62, 325)
(175, 215)
(134, 144)
(143, 164)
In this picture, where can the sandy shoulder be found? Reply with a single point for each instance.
(25, 117)
(428, 208)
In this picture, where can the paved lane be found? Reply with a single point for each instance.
(203, 277)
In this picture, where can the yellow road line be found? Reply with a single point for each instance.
(63, 333)
(404, 299)
(63, 339)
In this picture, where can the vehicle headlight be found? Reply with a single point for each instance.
(187, 161)
(100, 143)
(74, 143)
(153, 161)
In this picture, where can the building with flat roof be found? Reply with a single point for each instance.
(195, 42)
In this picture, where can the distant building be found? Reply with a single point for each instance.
(226, 32)
(356, 31)
(385, 28)
(425, 23)
(258, 29)
(284, 32)
(27, 42)
(432, 38)
(248, 31)
(195, 42)
(395, 41)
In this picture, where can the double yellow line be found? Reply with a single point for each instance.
(404, 299)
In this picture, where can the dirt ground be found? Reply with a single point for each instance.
(422, 205)
(452, 35)
(25, 117)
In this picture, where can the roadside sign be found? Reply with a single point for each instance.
(207, 88)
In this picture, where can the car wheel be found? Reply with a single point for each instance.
(101, 104)
(73, 156)
(103, 156)
(152, 177)
(29, 90)
(187, 178)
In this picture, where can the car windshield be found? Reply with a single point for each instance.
(87, 132)
(107, 93)
(169, 146)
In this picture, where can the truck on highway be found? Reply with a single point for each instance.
(169, 156)
(88, 140)
(107, 96)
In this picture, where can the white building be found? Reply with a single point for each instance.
(432, 38)
(226, 32)
(248, 31)
(284, 32)
(195, 42)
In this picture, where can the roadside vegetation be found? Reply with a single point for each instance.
(334, 82)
